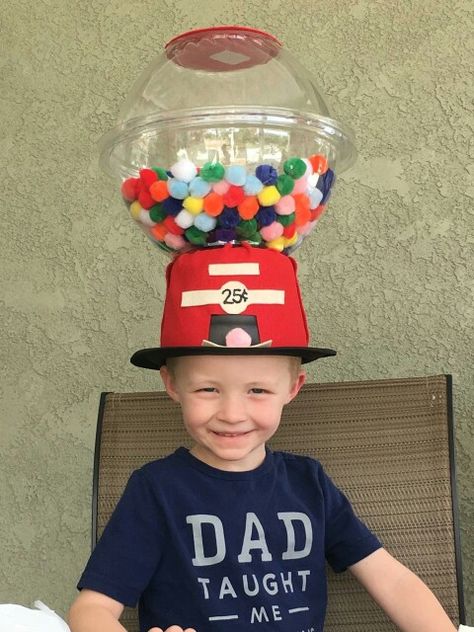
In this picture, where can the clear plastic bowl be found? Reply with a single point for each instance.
(231, 96)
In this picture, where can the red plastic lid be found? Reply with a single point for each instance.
(222, 48)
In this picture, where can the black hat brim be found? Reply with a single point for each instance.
(155, 357)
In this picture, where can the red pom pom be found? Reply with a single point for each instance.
(317, 212)
(289, 231)
(148, 176)
(145, 199)
(130, 188)
(234, 196)
(172, 226)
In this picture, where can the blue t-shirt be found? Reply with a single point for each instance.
(227, 551)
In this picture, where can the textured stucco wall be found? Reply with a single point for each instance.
(387, 278)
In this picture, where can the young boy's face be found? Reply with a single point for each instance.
(232, 405)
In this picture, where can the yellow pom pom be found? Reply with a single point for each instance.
(291, 241)
(193, 204)
(277, 244)
(269, 196)
(135, 208)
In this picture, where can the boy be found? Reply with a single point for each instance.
(228, 535)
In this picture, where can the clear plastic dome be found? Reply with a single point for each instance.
(234, 97)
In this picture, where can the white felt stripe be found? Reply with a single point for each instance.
(240, 269)
(196, 298)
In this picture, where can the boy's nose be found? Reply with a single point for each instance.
(232, 410)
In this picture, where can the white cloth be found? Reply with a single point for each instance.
(14, 618)
(465, 628)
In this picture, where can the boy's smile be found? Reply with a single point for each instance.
(232, 405)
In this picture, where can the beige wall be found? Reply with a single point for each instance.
(387, 278)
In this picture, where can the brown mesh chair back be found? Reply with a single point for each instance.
(387, 443)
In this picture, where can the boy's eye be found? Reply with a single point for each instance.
(258, 391)
(207, 389)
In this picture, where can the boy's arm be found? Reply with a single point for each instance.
(94, 612)
(408, 602)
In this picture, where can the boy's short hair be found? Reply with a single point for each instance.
(294, 362)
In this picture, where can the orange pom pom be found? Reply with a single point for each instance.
(159, 190)
(213, 204)
(158, 231)
(319, 163)
(248, 208)
(302, 210)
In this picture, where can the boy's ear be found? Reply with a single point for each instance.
(300, 380)
(168, 382)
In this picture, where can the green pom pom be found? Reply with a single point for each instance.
(157, 213)
(294, 167)
(196, 236)
(212, 172)
(256, 238)
(286, 220)
(247, 228)
(161, 173)
(285, 184)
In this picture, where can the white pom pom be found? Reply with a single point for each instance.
(184, 170)
(145, 219)
(184, 219)
(309, 168)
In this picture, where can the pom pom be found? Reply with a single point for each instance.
(285, 206)
(289, 231)
(315, 197)
(221, 187)
(269, 196)
(234, 196)
(184, 219)
(294, 167)
(302, 210)
(159, 190)
(286, 220)
(135, 210)
(161, 173)
(252, 185)
(212, 172)
(204, 222)
(225, 234)
(301, 185)
(319, 163)
(145, 218)
(291, 241)
(213, 204)
(277, 244)
(285, 184)
(229, 218)
(266, 174)
(272, 231)
(184, 170)
(172, 226)
(248, 208)
(172, 206)
(176, 242)
(193, 204)
(196, 236)
(199, 187)
(145, 199)
(178, 189)
(129, 189)
(236, 175)
(147, 176)
(309, 167)
(157, 213)
(317, 212)
(266, 216)
(305, 229)
(158, 232)
(247, 229)
(238, 337)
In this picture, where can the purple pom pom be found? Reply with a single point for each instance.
(266, 174)
(225, 234)
(266, 216)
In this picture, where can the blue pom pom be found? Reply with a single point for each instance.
(229, 218)
(178, 189)
(199, 188)
(266, 216)
(266, 174)
(252, 185)
(172, 206)
(225, 234)
(236, 174)
(315, 197)
(205, 222)
(328, 182)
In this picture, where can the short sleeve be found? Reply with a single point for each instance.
(129, 550)
(347, 539)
